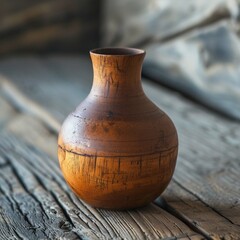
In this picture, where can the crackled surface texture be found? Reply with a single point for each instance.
(117, 150)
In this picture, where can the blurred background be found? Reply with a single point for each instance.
(193, 47)
(191, 71)
(48, 26)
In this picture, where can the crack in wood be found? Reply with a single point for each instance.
(26, 189)
(186, 111)
(119, 156)
(196, 196)
(163, 204)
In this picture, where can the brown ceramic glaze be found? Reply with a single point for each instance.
(117, 150)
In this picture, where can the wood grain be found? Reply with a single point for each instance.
(204, 191)
(117, 150)
(189, 208)
(37, 203)
(40, 182)
(48, 25)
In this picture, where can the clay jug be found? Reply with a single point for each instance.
(117, 150)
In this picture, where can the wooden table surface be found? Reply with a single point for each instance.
(37, 93)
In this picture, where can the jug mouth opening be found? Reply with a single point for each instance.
(116, 51)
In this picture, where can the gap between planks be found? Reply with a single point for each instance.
(156, 229)
(43, 119)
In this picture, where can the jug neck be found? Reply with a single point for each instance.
(117, 72)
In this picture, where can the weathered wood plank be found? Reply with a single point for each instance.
(19, 115)
(24, 105)
(35, 184)
(40, 26)
(37, 133)
(108, 225)
(42, 13)
(50, 38)
(187, 207)
(208, 165)
(47, 82)
(6, 111)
